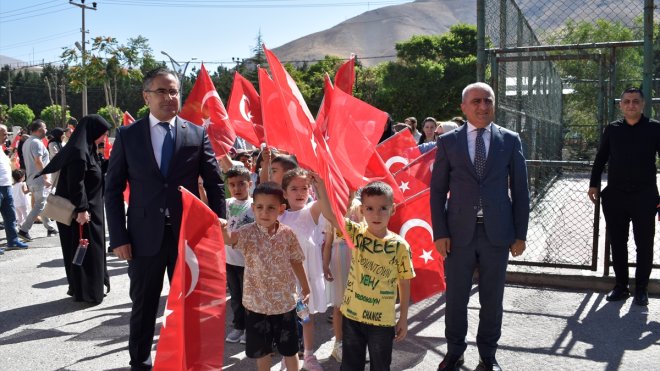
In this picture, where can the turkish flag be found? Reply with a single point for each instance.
(298, 136)
(192, 336)
(127, 120)
(416, 176)
(204, 107)
(321, 123)
(107, 147)
(398, 150)
(349, 144)
(244, 109)
(345, 76)
(412, 221)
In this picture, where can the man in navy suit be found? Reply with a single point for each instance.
(480, 212)
(155, 155)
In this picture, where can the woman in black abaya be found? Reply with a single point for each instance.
(81, 182)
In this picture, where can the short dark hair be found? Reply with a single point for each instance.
(291, 174)
(288, 162)
(239, 171)
(377, 188)
(633, 90)
(269, 189)
(36, 125)
(151, 75)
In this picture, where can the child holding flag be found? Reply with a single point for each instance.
(273, 262)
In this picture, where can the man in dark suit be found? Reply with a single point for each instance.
(481, 167)
(155, 155)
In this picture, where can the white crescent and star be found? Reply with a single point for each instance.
(214, 94)
(193, 265)
(243, 107)
(395, 160)
(404, 186)
(412, 223)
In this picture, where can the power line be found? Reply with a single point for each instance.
(39, 40)
(27, 7)
(261, 4)
(45, 12)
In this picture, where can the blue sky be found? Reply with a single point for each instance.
(212, 31)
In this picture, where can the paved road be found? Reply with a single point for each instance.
(41, 328)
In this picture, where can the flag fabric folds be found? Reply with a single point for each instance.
(351, 123)
(345, 77)
(244, 109)
(398, 150)
(204, 107)
(412, 221)
(192, 336)
(416, 176)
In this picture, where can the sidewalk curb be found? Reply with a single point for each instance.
(576, 282)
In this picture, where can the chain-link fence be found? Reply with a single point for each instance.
(557, 68)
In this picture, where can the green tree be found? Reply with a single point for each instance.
(142, 112)
(20, 115)
(112, 114)
(52, 115)
(3, 113)
(580, 107)
(110, 65)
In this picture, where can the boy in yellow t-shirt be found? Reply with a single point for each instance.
(380, 262)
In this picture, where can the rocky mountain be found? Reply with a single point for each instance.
(372, 35)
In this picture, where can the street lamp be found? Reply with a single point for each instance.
(83, 7)
(180, 71)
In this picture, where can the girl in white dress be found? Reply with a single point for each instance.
(309, 226)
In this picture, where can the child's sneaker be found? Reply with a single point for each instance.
(234, 336)
(366, 356)
(243, 341)
(336, 351)
(310, 363)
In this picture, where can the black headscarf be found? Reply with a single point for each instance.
(57, 134)
(81, 145)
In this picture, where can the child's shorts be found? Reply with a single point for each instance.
(262, 331)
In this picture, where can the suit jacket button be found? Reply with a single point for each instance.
(161, 210)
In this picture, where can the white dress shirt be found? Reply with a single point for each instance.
(158, 135)
(472, 139)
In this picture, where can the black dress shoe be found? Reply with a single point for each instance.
(451, 363)
(641, 297)
(489, 365)
(618, 293)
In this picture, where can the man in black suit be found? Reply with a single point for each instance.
(155, 155)
(630, 147)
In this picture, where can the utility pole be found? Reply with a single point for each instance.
(83, 7)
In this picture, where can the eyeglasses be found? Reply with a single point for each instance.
(164, 92)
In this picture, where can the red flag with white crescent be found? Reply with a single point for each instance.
(244, 109)
(204, 107)
(412, 221)
(398, 150)
(192, 336)
(420, 168)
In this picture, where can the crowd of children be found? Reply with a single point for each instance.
(283, 248)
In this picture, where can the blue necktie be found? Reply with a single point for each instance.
(480, 158)
(168, 149)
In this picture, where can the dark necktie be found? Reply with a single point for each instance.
(167, 150)
(480, 153)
